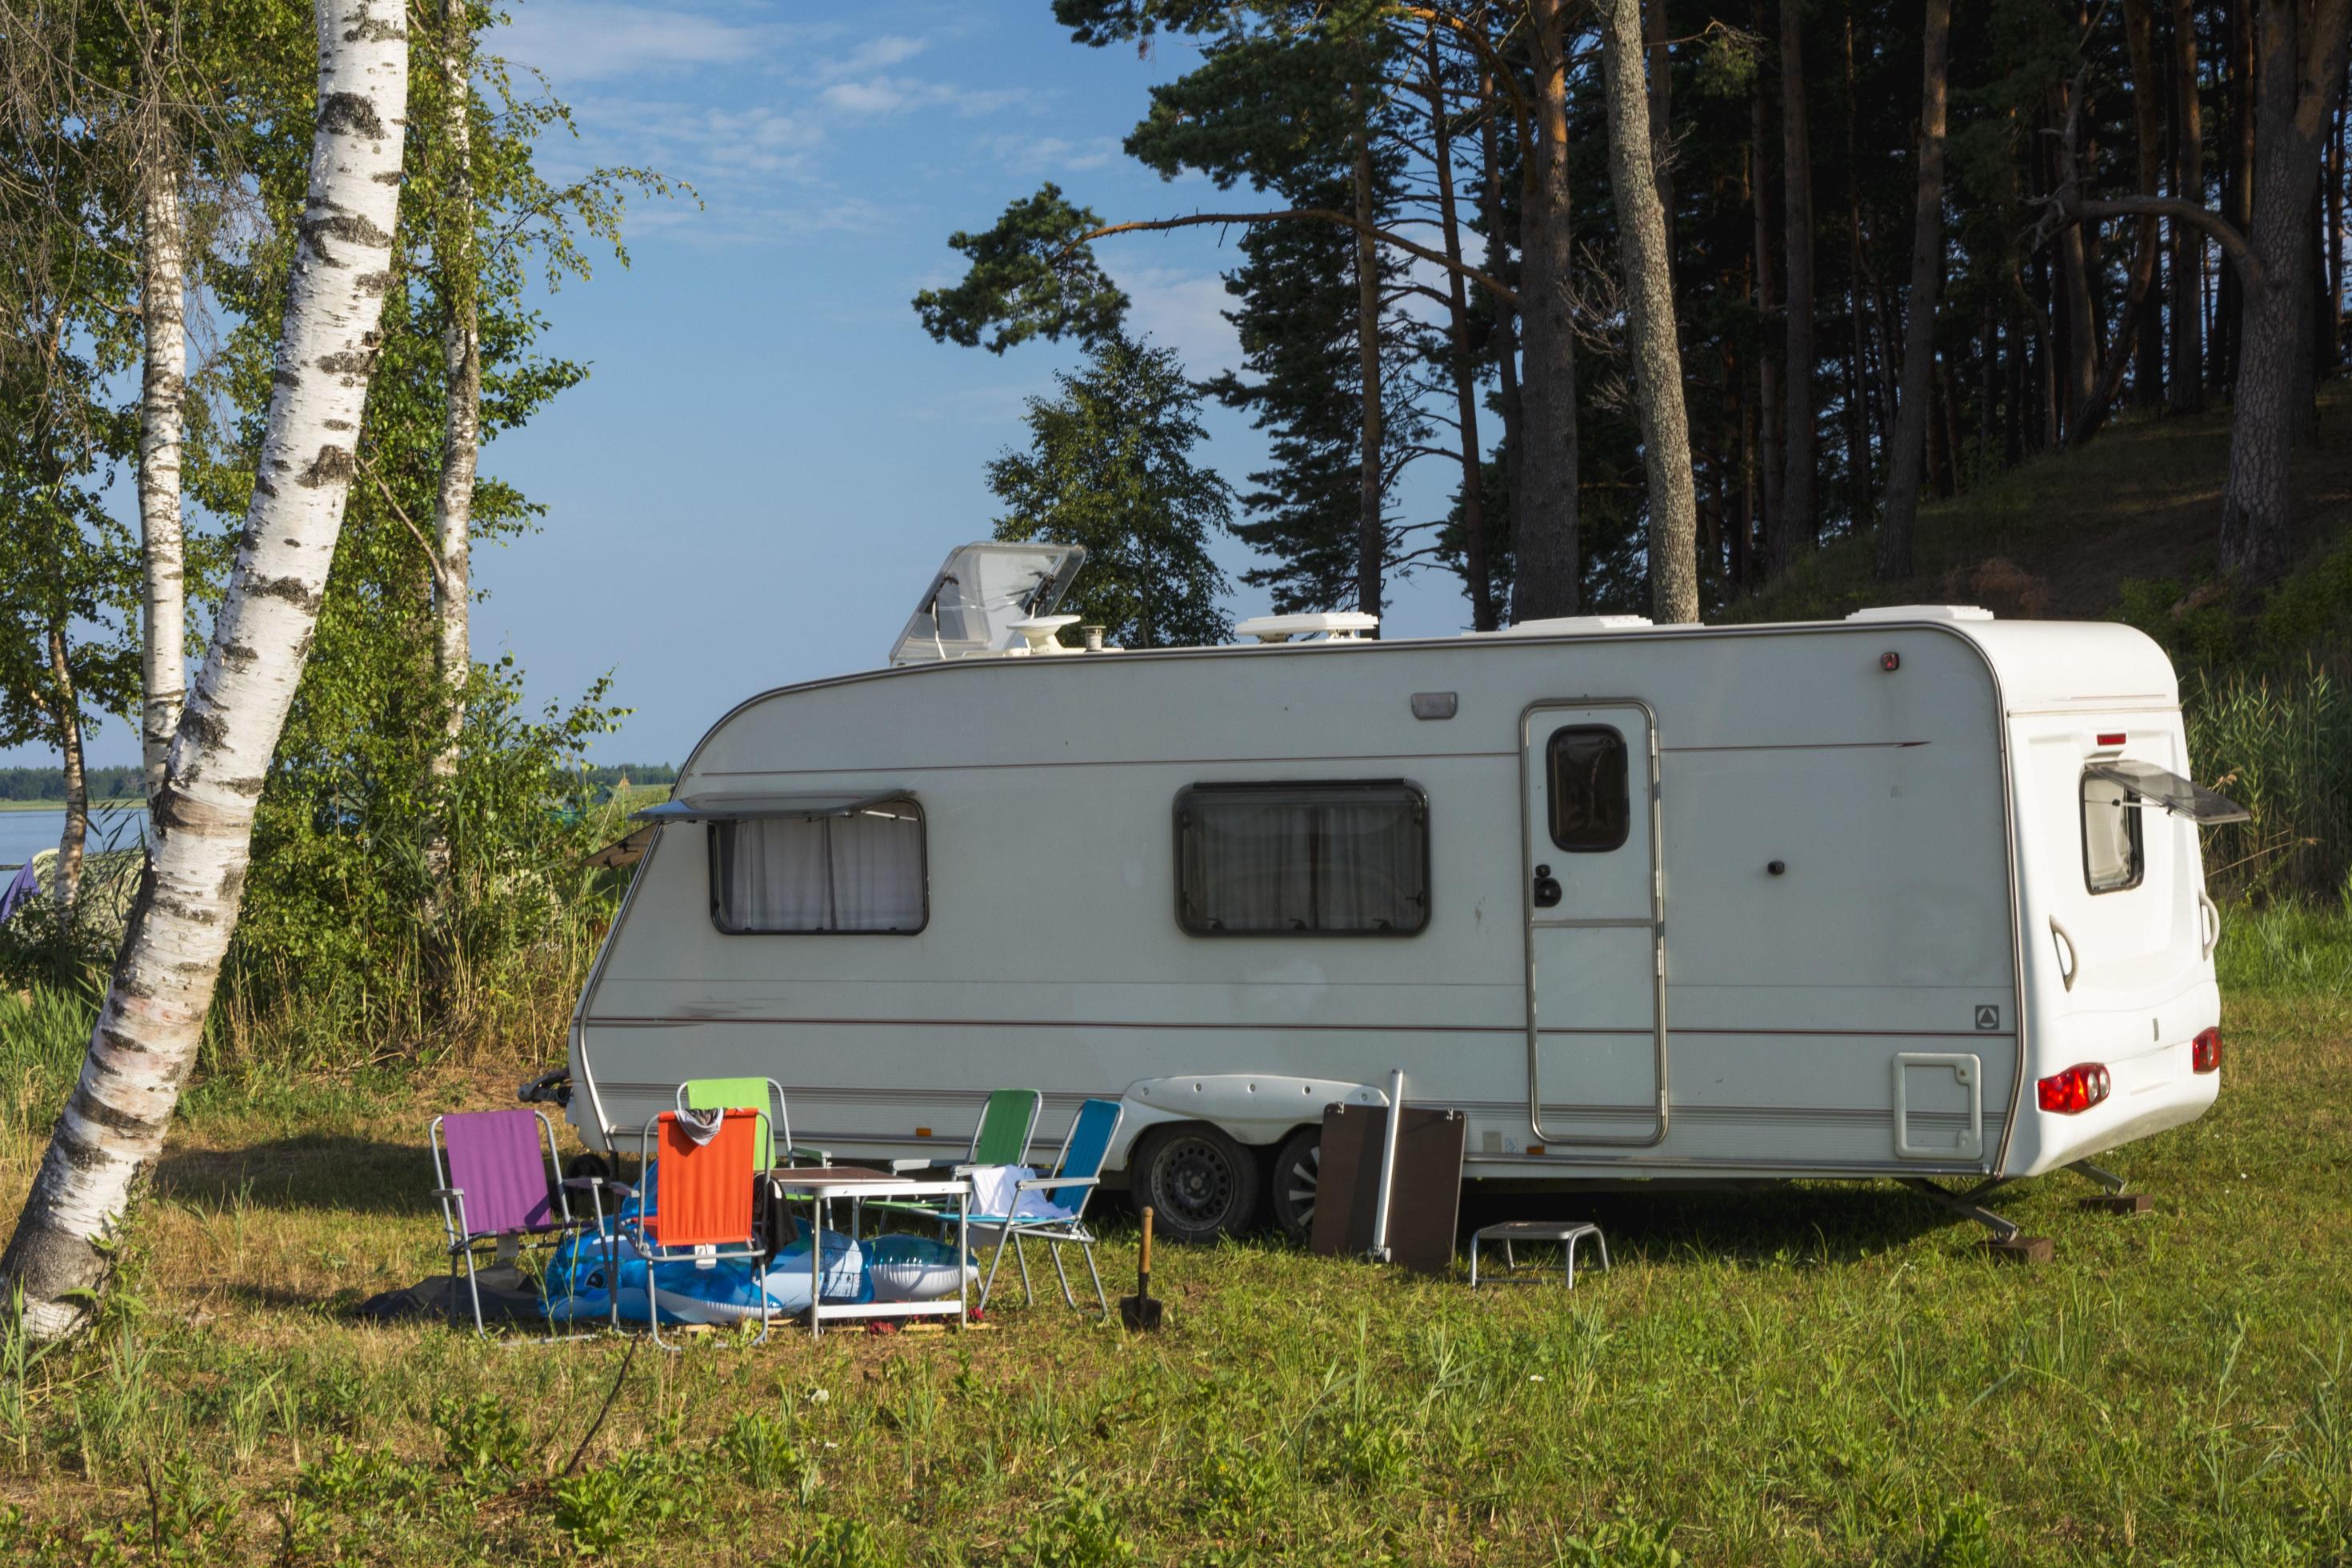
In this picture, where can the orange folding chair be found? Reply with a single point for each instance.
(698, 1191)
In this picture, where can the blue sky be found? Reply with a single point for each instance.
(769, 456)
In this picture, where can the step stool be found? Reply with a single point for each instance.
(1566, 1233)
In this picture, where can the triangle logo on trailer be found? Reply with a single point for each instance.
(1987, 1017)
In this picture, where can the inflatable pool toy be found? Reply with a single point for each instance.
(915, 1268)
(723, 1291)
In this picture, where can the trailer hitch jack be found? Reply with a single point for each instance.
(2007, 1243)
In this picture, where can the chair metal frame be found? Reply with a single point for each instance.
(655, 1253)
(1054, 1232)
(461, 1241)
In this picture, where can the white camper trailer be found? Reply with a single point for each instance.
(1916, 894)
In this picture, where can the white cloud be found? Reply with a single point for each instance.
(595, 40)
(1182, 311)
(1029, 156)
(881, 95)
(874, 55)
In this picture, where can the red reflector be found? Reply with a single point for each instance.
(2074, 1090)
(2112, 740)
(2205, 1051)
(1890, 662)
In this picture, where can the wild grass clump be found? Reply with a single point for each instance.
(2280, 747)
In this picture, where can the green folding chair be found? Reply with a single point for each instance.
(1008, 1122)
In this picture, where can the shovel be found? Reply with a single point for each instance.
(1142, 1309)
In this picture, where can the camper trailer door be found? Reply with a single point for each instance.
(1595, 900)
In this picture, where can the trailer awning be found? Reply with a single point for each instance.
(717, 807)
(2155, 787)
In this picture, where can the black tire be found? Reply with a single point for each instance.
(1201, 1185)
(1291, 1183)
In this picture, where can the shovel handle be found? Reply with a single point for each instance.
(1146, 1264)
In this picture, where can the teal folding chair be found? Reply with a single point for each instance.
(1051, 1208)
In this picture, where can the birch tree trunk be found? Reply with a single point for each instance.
(1800, 449)
(1544, 507)
(147, 1031)
(1911, 411)
(461, 433)
(1371, 536)
(163, 394)
(1650, 327)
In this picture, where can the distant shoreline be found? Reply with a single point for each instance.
(60, 806)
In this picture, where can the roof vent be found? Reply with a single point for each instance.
(1922, 613)
(1569, 626)
(1339, 626)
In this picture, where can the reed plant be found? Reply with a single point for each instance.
(2282, 747)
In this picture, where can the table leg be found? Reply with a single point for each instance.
(816, 1267)
(963, 1249)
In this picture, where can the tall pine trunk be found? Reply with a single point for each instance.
(2298, 73)
(1767, 369)
(1544, 507)
(1506, 336)
(1371, 534)
(163, 398)
(461, 432)
(148, 1030)
(1910, 442)
(1651, 337)
(1466, 373)
(2188, 240)
(1798, 520)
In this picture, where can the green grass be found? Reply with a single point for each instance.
(60, 806)
(1806, 1375)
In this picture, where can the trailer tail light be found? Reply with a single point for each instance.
(2074, 1090)
(2205, 1051)
(2106, 741)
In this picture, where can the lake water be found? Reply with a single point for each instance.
(24, 833)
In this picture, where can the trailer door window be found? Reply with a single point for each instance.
(1586, 768)
(1335, 859)
(859, 872)
(2113, 856)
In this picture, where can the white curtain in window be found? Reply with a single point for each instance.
(877, 871)
(1370, 866)
(1253, 866)
(775, 874)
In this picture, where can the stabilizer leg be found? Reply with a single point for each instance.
(2007, 1243)
(2111, 1198)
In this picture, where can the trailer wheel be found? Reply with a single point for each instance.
(1200, 1183)
(1298, 1168)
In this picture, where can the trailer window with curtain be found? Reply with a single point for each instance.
(861, 872)
(1346, 859)
(2113, 857)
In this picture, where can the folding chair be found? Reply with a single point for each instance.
(695, 1204)
(1008, 1124)
(500, 1178)
(1051, 1208)
(744, 1093)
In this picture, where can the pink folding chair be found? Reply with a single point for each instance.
(499, 1179)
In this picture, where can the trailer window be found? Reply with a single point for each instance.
(1586, 767)
(2113, 857)
(784, 875)
(1335, 859)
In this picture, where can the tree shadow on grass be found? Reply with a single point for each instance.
(310, 1171)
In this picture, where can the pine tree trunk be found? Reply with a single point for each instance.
(1857, 375)
(76, 837)
(2297, 78)
(1773, 430)
(1797, 518)
(1651, 338)
(148, 1027)
(2147, 147)
(2237, 189)
(461, 432)
(1657, 42)
(1544, 505)
(1371, 534)
(2188, 240)
(1466, 373)
(1506, 342)
(1895, 534)
(163, 394)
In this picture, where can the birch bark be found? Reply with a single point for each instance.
(461, 435)
(163, 393)
(148, 1030)
(1650, 324)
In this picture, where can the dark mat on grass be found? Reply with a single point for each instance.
(506, 1298)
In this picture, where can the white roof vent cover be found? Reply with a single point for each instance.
(1922, 613)
(1339, 626)
(1576, 625)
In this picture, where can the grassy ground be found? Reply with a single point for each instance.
(1822, 1373)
